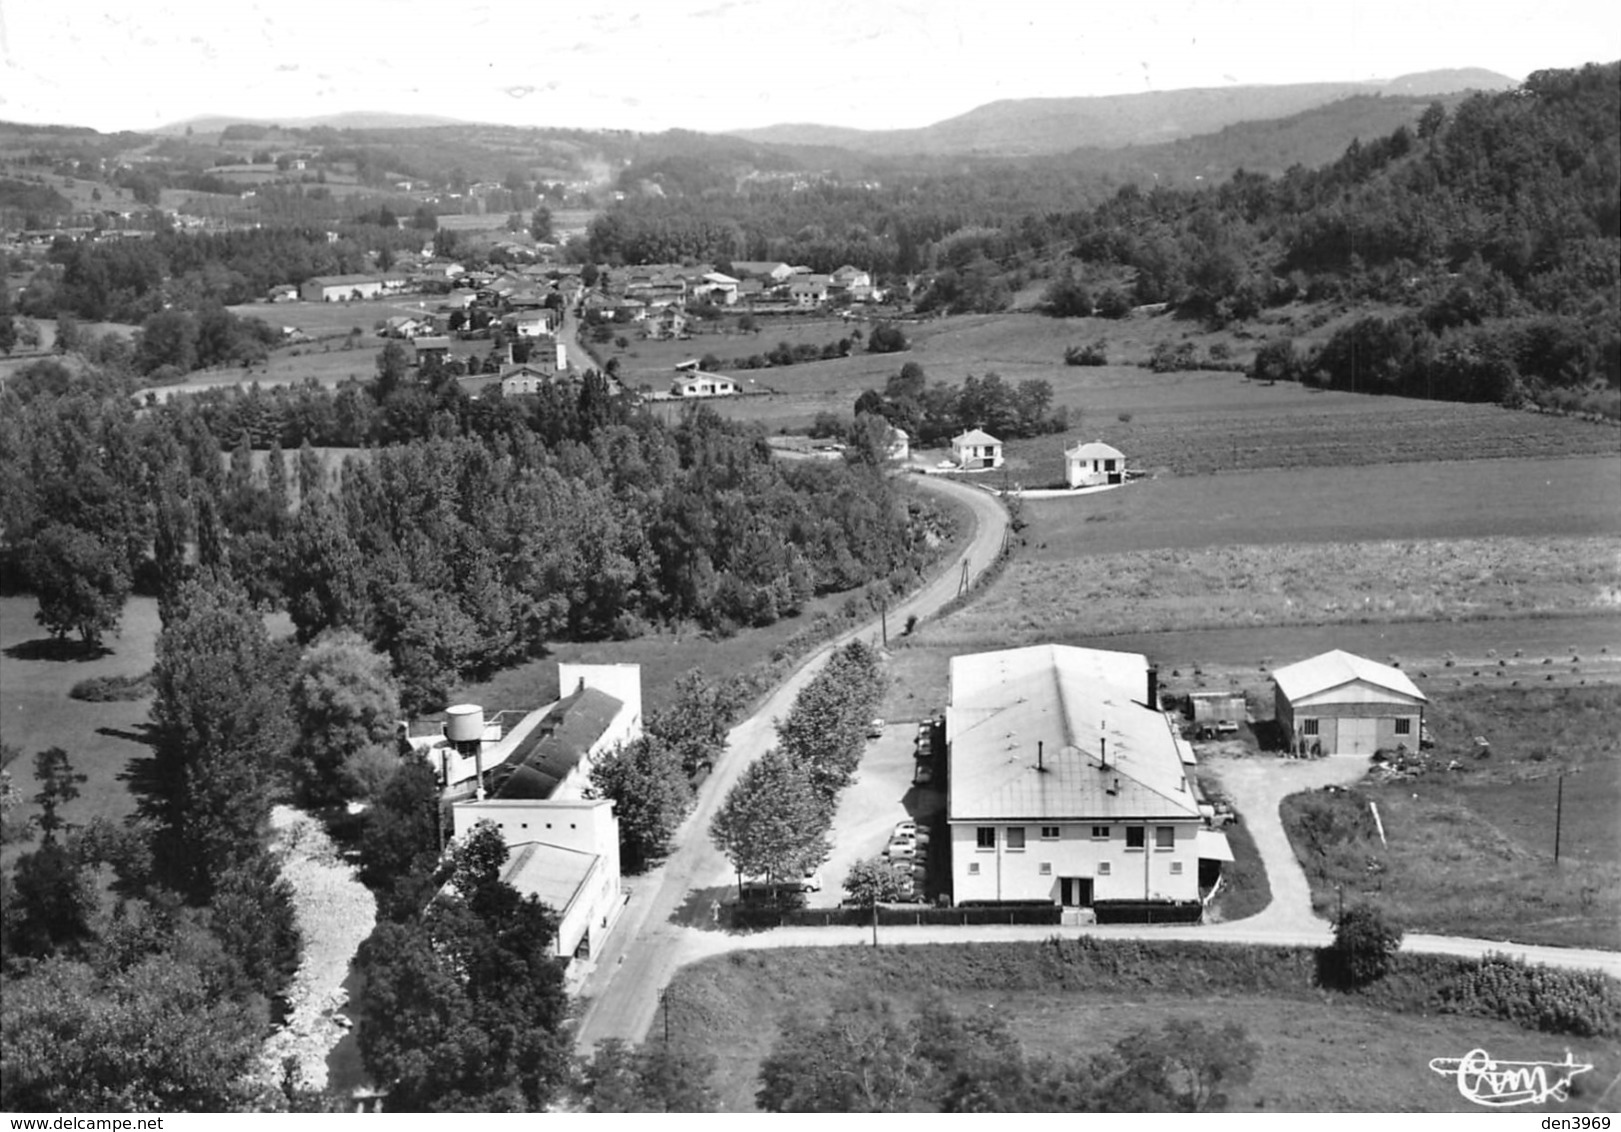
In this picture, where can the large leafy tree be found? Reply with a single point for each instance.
(153, 1037)
(657, 1077)
(870, 883)
(772, 821)
(81, 582)
(345, 700)
(695, 723)
(649, 789)
(222, 727)
(465, 1003)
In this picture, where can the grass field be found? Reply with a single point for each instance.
(1471, 850)
(1185, 423)
(100, 738)
(1318, 1052)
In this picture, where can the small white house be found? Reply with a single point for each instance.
(900, 445)
(1093, 465)
(696, 383)
(977, 449)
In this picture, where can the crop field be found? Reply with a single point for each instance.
(1579, 496)
(1469, 841)
(1295, 584)
(1318, 1053)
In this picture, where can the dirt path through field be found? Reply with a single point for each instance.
(1257, 786)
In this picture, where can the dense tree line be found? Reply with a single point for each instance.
(932, 414)
(465, 543)
(773, 824)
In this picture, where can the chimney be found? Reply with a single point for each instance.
(1153, 688)
(1103, 751)
(1040, 765)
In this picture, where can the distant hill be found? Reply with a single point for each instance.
(353, 120)
(1028, 126)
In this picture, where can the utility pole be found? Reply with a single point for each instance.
(664, 1001)
(883, 620)
(1558, 816)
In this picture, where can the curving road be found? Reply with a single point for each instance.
(647, 946)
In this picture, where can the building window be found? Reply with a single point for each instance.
(1165, 837)
(1104, 868)
(987, 837)
(1176, 868)
(1404, 726)
(1136, 837)
(1308, 727)
(1046, 869)
(1049, 833)
(973, 868)
(1100, 833)
(1015, 837)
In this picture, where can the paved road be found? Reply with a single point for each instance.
(647, 946)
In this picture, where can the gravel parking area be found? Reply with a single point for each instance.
(881, 795)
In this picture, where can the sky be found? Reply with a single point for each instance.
(729, 64)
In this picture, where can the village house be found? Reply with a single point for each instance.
(768, 272)
(668, 322)
(899, 448)
(976, 449)
(539, 323)
(1094, 465)
(716, 288)
(1342, 704)
(808, 290)
(696, 383)
(345, 288)
(431, 347)
(1066, 784)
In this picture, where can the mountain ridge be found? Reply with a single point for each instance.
(1028, 126)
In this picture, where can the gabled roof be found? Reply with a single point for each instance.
(1096, 450)
(973, 436)
(1057, 732)
(1336, 669)
(558, 744)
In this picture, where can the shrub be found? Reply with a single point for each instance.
(1365, 943)
(108, 689)
(1092, 355)
(1585, 1004)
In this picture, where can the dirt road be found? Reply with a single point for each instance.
(651, 939)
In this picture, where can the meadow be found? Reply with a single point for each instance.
(1469, 849)
(1319, 1051)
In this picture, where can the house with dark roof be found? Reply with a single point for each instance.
(1067, 784)
(527, 773)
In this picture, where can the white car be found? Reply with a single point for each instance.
(875, 729)
(910, 828)
(901, 850)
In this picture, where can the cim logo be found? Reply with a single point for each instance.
(1486, 1081)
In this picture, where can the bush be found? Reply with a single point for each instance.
(886, 338)
(1586, 1004)
(109, 689)
(1365, 944)
(1092, 355)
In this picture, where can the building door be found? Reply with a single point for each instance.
(1077, 892)
(1357, 736)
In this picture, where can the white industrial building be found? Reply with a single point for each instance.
(1067, 784)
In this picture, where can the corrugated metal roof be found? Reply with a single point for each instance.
(1053, 731)
(558, 744)
(1337, 668)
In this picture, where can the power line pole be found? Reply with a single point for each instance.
(1558, 816)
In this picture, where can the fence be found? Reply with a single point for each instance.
(769, 916)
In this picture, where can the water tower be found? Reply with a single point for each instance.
(464, 728)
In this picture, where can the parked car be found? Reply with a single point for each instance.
(875, 729)
(909, 828)
(923, 774)
(901, 850)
